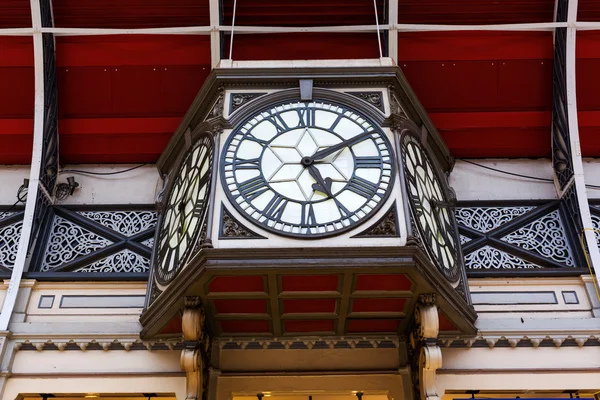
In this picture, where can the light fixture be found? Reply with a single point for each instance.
(92, 395)
(64, 190)
(46, 396)
(359, 395)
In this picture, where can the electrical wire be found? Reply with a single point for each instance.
(78, 171)
(21, 198)
(537, 178)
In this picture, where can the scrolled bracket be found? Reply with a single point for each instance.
(195, 358)
(425, 355)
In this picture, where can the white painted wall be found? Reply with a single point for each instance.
(11, 178)
(139, 186)
(591, 170)
(475, 183)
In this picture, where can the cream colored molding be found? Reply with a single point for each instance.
(83, 344)
(500, 341)
(71, 286)
(515, 282)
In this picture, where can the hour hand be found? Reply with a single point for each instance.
(346, 143)
(322, 185)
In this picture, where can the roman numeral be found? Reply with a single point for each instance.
(240, 163)
(253, 188)
(368, 162)
(279, 123)
(307, 117)
(308, 216)
(276, 207)
(362, 187)
(253, 138)
(336, 122)
(344, 212)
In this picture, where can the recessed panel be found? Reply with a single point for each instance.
(309, 326)
(378, 305)
(237, 284)
(245, 326)
(395, 282)
(309, 283)
(246, 306)
(292, 306)
(373, 325)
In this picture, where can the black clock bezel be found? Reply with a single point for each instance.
(165, 278)
(251, 115)
(452, 274)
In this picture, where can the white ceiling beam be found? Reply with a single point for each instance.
(392, 31)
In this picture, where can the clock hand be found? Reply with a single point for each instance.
(181, 208)
(322, 185)
(346, 143)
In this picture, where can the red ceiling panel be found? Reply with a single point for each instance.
(373, 325)
(245, 326)
(309, 306)
(245, 306)
(15, 14)
(130, 13)
(588, 86)
(233, 284)
(481, 89)
(302, 46)
(378, 305)
(588, 10)
(302, 13)
(383, 282)
(309, 326)
(16, 99)
(445, 324)
(151, 78)
(471, 12)
(309, 283)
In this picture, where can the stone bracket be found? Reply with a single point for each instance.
(195, 357)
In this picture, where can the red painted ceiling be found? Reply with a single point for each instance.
(121, 97)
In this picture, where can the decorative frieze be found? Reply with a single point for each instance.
(485, 219)
(490, 258)
(9, 243)
(123, 261)
(127, 223)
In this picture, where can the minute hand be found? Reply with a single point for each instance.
(332, 149)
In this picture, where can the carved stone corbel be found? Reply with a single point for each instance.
(194, 336)
(425, 355)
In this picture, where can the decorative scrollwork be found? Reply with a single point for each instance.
(595, 224)
(545, 236)
(239, 99)
(490, 258)
(464, 239)
(9, 243)
(387, 226)
(123, 261)
(127, 223)
(373, 98)
(485, 219)
(149, 242)
(68, 241)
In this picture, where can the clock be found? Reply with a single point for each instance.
(185, 209)
(307, 169)
(430, 207)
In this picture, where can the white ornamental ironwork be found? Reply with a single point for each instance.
(149, 242)
(127, 223)
(9, 243)
(596, 225)
(490, 258)
(545, 236)
(464, 239)
(67, 241)
(485, 219)
(123, 261)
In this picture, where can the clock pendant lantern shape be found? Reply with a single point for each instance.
(429, 205)
(185, 209)
(307, 169)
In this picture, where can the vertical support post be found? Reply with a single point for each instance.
(424, 353)
(34, 189)
(393, 30)
(566, 149)
(215, 33)
(193, 361)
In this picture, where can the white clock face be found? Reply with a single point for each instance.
(185, 210)
(307, 169)
(430, 207)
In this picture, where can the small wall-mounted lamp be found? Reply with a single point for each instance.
(64, 190)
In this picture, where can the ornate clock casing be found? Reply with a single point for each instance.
(432, 212)
(185, 209)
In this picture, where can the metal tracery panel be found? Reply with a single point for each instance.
(96, 241)
(504, 237)
(11, 224)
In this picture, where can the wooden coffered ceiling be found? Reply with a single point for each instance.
(121, 97)
(321, 292)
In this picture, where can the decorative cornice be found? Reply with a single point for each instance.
(493, 341)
